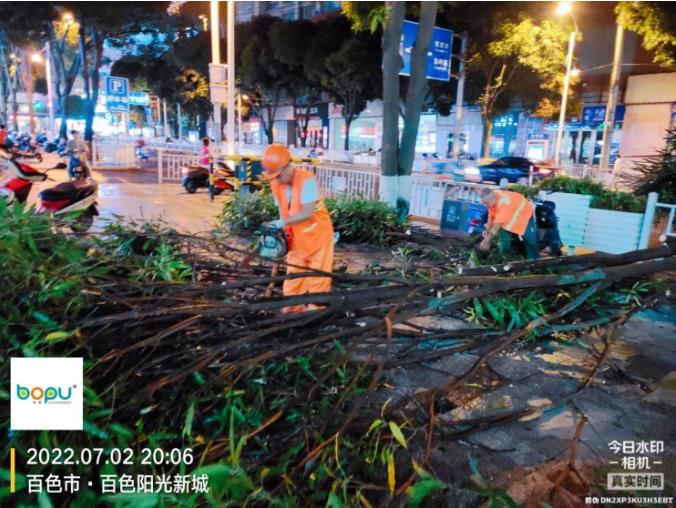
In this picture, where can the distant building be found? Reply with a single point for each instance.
(291, 11)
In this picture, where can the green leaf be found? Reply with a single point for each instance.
(189, 417)
(57, 336)
(134, 500)
(396, 432)
(334, 501)
(417, 492)
(376, 423)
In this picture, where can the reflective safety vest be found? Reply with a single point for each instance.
(307, 237)
(512, 212)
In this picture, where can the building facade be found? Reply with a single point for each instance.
(289, 11)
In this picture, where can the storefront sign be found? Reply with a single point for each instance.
(438, 55)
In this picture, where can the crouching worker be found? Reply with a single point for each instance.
(509, 213)
(307, 223)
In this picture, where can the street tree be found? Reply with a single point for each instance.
(521, 60)
(63, 37)
(346, 65)
(113, 23)
(23, 30)
(292, 42)
(655, 22)
(398, 156)
(263, 76)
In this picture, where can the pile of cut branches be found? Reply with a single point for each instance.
(182, 349)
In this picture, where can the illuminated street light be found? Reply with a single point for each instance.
(575, 73)
(37, 58)
(565, 8)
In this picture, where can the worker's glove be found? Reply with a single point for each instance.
(277, 224)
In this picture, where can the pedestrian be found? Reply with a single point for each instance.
(306, 220)
(509, 213)
(205, 152)
(3, 134)
(617, 167)
(78, 150)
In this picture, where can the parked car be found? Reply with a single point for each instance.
(514, 169)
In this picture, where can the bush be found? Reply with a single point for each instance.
(358, 220)
(363, 220)
(246, 212)
(601, 197)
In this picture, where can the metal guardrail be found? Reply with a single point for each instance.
(113, 154)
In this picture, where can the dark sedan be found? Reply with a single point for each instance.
(514, 169)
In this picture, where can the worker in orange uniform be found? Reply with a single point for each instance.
(306, 220)
(509, 213)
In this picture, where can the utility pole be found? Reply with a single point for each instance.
(231, 76)
(609, 121)
(29, 96)
(239, 121)
(179, 120)
(50, 87)
(459, 97)
(165, 123)
(215, 60)
(564, 98)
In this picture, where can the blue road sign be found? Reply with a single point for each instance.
(139, 98)
(596, 115)
(117, 94)
(438, 54)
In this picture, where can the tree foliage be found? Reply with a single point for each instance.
(657, 173)
(523, 61)
(655, 22)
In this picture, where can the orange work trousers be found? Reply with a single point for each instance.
(321, 259)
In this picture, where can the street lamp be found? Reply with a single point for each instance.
(563, 9)
(47, 60)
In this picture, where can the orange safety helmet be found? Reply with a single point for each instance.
(275, 159)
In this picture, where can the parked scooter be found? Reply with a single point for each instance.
(197, 177)
(75, 196)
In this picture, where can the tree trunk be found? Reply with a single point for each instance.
(348, 122)
(15, 103)
(415, 97)
(487, 130)
(97, 57)
(391, 66)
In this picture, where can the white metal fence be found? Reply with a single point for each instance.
(113, 154)
(169, 165)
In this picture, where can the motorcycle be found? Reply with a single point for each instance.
(64, 198)
(141, 151)
(197, 176)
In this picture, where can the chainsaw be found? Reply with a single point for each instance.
(273, 243)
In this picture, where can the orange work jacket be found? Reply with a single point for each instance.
(309, 236)
(512, 212)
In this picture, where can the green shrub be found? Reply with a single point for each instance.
(601, 197)
(244, 213)
(43, 274)
(360, 220)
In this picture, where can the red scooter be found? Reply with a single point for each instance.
(75, 196)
